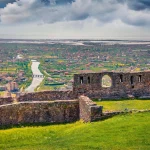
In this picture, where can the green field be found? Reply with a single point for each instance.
(123, 132)
(121, 105)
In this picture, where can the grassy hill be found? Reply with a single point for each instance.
(123, 132)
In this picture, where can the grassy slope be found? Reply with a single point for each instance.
(125, 132)
(122, 105)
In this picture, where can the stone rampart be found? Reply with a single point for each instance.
(88, 110)
(63, 106)
(124, 85)
(47, 96)
(39, 112)
(6, 100)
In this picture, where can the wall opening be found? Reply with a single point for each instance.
(140, 78)
(132, 80)
(106, 81)
(81, 80)
(89, 80)
(121, 78)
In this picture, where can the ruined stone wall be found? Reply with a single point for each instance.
(57, 106)
(88, 110)
(36, 112)
(47, 96)
(123, 85)
(6, 100)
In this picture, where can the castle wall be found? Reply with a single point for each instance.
(47, 96)
(61, 106)
(7, 100)
(89, 111)
(136, 84)
(36, 112)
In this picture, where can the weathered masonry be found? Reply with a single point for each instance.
(57, 111)
(123, 85)
(69, 106)
(41, 111)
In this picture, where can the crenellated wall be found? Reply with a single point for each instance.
(123, 85)
(36, 112)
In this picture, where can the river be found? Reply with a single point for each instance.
(36, 80)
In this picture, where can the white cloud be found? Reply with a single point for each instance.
(24, 11)
(97, 18)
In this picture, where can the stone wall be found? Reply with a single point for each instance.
(123, 85)
(47, 96)
(6, 100)
(36, 112)
(89, 111)
(61, 106)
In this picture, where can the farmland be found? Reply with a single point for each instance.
(59, 61)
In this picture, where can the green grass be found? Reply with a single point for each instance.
(123, 132)
(121, 105)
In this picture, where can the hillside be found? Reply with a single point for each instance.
(125, 132)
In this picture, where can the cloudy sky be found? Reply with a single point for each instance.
(100, 19)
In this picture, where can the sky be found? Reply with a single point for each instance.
(73, 19)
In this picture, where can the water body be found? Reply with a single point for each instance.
(36, 80)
